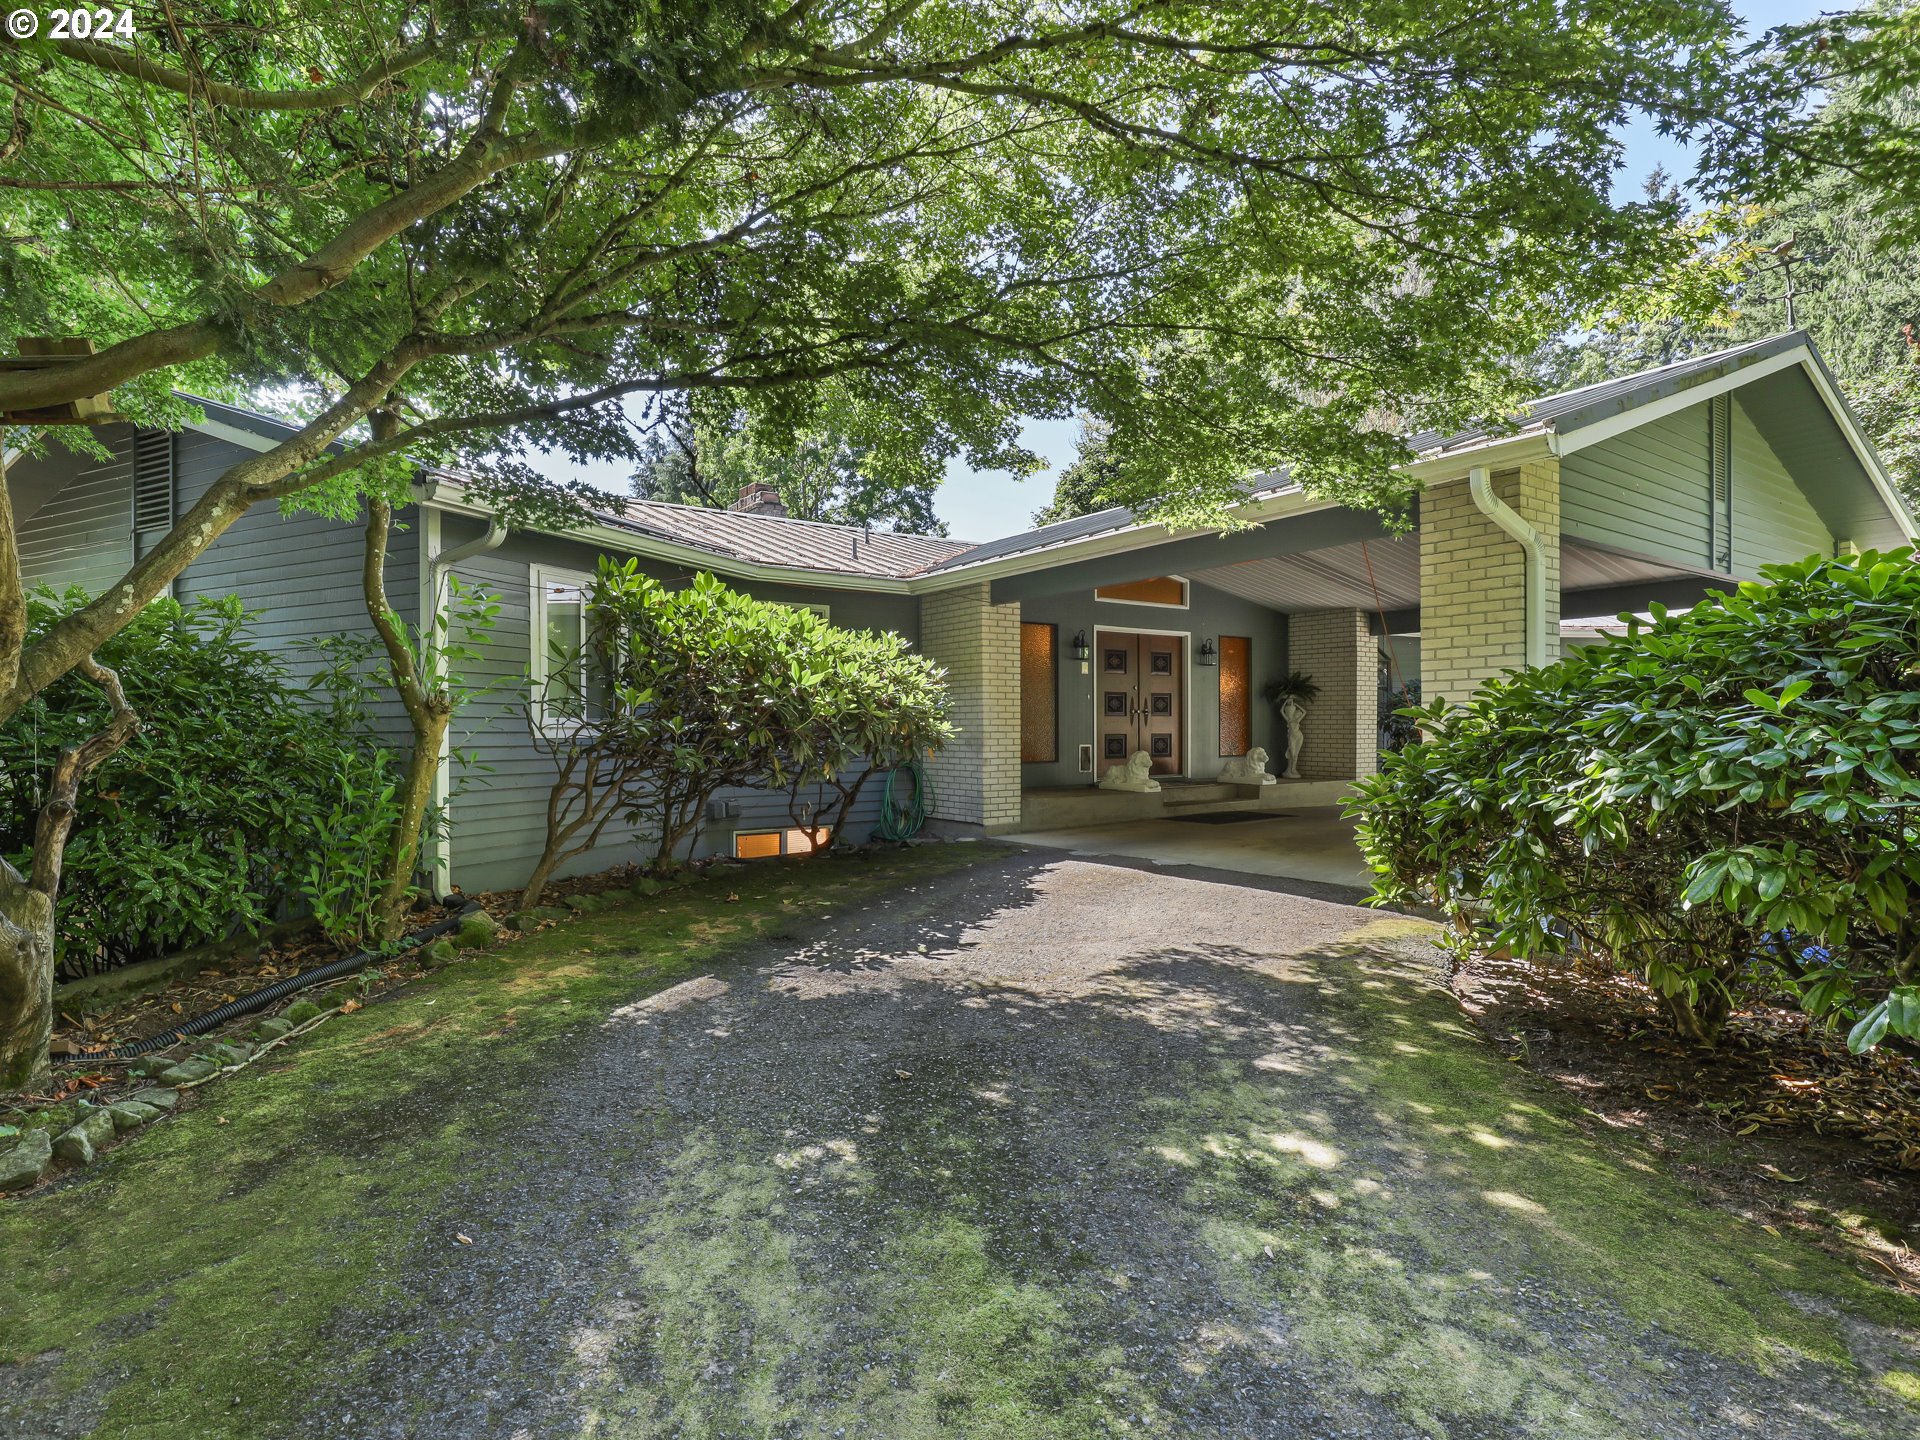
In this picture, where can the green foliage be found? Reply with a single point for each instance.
(707, 688)
(1081, 487)
(1246, 235)
(235, 800)
(701, 455)
(1837, 185)
(1724, 797)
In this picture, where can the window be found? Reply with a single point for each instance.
(1167, 591)
(771, 844)
(825, 612)
(560, 664)
(1039, 693)
(1236, 694)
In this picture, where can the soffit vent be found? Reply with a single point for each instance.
(152, 480)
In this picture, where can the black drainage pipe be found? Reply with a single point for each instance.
(269, 994)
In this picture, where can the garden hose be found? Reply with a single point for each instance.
(903, 821)
(268, 994)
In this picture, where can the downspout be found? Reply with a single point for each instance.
(438, 567)
(1480, 486)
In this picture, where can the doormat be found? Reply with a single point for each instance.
(1230, 817)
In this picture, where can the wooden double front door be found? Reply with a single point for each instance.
(1141, 696)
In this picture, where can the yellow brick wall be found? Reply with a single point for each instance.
(1472, 577)
(1343, 726)
(976, 778)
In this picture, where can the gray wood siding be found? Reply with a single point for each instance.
(499, 802)
(82, 533)
(1772, 519)
(1644, 491)
(299, 574)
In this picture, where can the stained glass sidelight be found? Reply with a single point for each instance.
(1039, 693)
(1236, 694)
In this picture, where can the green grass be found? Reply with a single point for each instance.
(188, 1274)
(1390, 1206)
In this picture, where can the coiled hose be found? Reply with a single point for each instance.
(902, 821)
(269, 994)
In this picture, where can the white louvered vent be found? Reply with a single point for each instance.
(152, 480)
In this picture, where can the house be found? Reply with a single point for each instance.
(1074, 645)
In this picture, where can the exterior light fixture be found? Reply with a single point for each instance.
(1208, 654)
(1082, 651)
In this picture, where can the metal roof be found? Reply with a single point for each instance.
(781, 540)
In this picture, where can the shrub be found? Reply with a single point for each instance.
(700, 689)
(204, 825)
(871, 705)
(1720, 798)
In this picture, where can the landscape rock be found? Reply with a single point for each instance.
(78, 1145)
(532, 919)
(187, 1071)
(274, 1027)
(643, 889)
(300, 1012)
(132, 1114)
(479, 928)
(26, 1162)
(158, 1098)
(585, 902)
(440, 952)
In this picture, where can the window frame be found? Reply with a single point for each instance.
(539, 578)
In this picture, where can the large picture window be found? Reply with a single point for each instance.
(1236, 694)
(1039, 693)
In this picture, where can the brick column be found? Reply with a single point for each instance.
(1343, 725)
(1472, 580)
(976, 778)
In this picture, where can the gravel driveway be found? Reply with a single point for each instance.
(1058, 1148)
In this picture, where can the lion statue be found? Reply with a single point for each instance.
(1136, 774)
(1248, 769)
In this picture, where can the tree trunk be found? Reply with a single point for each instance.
(26, 981)
(429, 707)
(26, 902)
(403, 841)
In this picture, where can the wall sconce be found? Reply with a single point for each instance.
(1082, 651)
(1207, 654)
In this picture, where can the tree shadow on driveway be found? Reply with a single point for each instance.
(1053, 1148)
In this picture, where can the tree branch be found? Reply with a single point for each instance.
(114, 60)
(74, 765)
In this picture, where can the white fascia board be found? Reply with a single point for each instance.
(1114, 542)
(1501, 452)
(1577, 440)
(235, 435)
(609, 537)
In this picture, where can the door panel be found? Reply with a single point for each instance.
(1142, 699)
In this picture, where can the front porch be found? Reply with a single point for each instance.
(1062, 807)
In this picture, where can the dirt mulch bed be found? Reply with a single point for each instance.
(1779, 1122)
(141, 1016)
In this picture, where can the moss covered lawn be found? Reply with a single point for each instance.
(955, 1141)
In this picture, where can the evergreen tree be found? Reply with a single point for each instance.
(1078, 490)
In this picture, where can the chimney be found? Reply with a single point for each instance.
(759, 498)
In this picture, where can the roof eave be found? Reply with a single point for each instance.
(437, 494)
